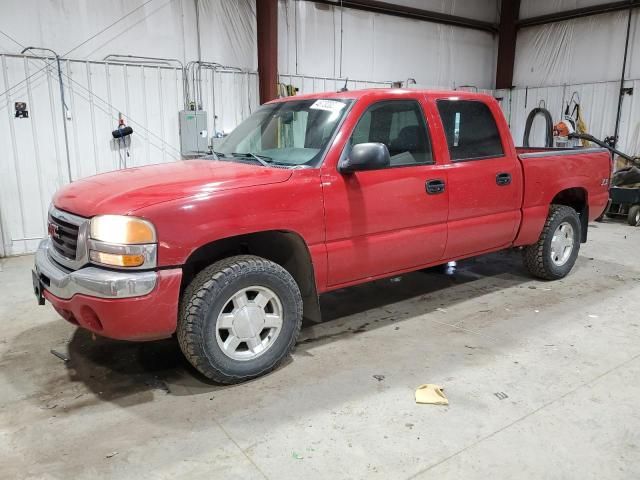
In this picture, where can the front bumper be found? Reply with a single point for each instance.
(123, 305)
(94, 281)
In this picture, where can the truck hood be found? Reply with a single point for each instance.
(125, 191)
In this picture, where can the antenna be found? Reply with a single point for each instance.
(345, 89)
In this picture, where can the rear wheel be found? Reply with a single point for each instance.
(633, 218)
(239, 318)
(554, 254)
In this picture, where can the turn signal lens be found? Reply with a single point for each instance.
(122, 229)
(116, 260)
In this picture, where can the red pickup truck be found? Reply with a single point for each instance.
(309, 194)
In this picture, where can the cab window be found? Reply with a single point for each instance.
(401, 126)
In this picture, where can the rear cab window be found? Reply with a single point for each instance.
(470, 129)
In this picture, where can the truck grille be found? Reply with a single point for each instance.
(64, 237)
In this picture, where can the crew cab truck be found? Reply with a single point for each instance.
(309, 194)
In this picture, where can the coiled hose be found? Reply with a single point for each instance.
(548, 129)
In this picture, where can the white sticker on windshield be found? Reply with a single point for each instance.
(328, 105)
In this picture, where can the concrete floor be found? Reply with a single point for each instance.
(542, 380)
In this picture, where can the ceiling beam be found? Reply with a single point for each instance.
(578, 13)
(387, 8)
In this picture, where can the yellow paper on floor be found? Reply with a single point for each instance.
(432, 394)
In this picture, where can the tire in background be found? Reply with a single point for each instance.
(633, 218)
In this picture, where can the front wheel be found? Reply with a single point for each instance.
(239, 318)
(554, 254)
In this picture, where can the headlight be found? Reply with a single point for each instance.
(122, 241)
(122, 229)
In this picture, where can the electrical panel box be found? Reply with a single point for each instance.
(194, 136)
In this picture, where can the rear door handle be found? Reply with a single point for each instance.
(435, 187)
(503, 179)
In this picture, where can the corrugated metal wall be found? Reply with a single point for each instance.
(599, 103)
(314, 84)
(327, 40)
(34, 163)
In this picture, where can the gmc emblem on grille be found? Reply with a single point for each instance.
(52, 229)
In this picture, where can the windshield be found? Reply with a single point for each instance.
(288, 133)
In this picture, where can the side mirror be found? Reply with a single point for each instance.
(365, 156)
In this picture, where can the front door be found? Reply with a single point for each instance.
(383, 221)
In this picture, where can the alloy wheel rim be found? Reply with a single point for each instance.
(249, 323)
(562, 244)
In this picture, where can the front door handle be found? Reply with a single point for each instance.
(503, 179)
(435, 187)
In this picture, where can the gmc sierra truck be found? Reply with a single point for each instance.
(309, 194)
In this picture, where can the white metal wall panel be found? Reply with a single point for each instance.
(431, 53)
(228, 31)
(534, 8)
(630, 121)
(485, 10)
(599, 102)
(324, 40)
(228, 97)
(160, 28)
(311, 84)
(633, 56)
(503, 97)
(317, 47)
(33, 165)
(97, 93)
(583, 55)
(575, 51)
(27, 169)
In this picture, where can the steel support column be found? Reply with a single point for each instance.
(267, 20)
(507, 43)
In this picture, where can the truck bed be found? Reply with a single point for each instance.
(546, 171)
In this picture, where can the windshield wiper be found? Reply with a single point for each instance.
(261, 159)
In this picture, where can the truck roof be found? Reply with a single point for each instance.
(387, 93)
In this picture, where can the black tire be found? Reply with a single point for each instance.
(633, 218)
(537, 257)
(206, 296)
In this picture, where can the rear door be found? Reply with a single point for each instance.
(484, 178)
(383, 221)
